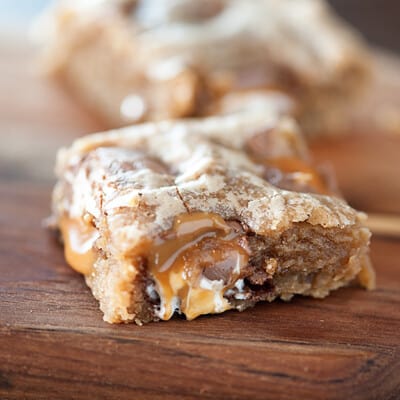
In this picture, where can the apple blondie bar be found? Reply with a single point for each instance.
(202, 216)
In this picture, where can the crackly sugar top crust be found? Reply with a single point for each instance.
(242, 33)
(142, 177)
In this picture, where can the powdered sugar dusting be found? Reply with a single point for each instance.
(204, 172)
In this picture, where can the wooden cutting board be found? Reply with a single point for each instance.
(54, 344)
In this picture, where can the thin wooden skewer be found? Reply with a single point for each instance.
(384, 224)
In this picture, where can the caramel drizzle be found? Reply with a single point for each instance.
(79, 239)
(197, 241)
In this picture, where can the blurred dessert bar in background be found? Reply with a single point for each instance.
(145, 60)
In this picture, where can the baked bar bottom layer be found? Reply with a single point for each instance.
(305, 259)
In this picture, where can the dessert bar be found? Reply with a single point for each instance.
(147, 60)
(202, 216)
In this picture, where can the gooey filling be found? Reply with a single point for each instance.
(192, 266)
(196, 263)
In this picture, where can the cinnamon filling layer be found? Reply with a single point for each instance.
(196, 263)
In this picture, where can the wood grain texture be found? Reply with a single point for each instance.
(54, 344)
